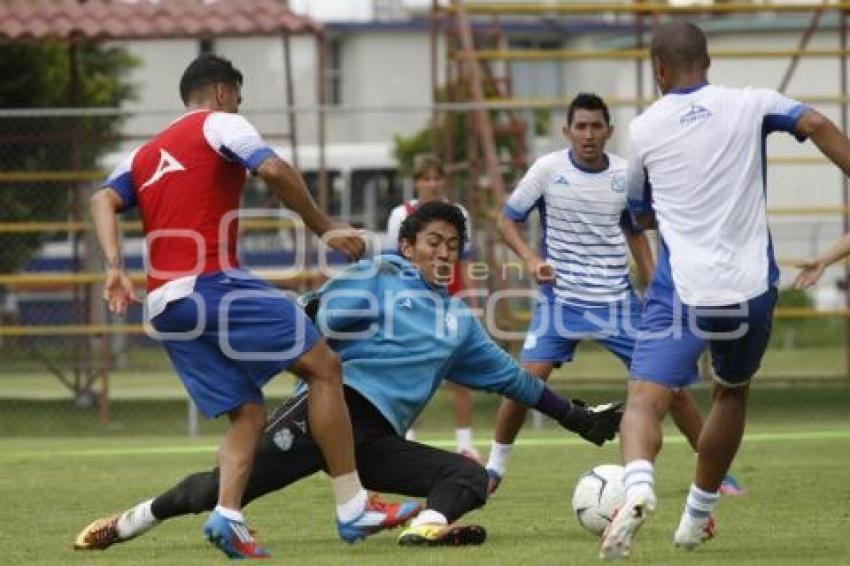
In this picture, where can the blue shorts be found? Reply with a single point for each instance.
(673, 336)
(557, 328)
(231, 336)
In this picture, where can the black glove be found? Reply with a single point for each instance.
(595, 424)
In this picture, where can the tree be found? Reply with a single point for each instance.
(38, 76)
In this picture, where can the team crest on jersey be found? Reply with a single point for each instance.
(283, 439)
(697, 113)
(618, 184)
(167, 164)
(451, 323)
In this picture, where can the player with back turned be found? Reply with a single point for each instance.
(699, 171)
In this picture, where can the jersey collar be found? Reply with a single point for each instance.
(584, 169)
(687, 89)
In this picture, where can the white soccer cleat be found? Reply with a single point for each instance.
(619, 535)
(693, 532)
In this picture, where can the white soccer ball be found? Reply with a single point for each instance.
(598, 494)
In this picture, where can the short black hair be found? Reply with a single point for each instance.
(206, 70)
(588, 101)
(681, 45)
(431, 212)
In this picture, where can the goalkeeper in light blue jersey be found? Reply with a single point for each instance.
(398, 334)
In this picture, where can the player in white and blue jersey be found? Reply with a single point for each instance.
(699, 168)
(583, 266)
(398, 334)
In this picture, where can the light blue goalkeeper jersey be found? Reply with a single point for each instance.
(398, 337)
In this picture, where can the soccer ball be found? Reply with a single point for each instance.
(598, 494)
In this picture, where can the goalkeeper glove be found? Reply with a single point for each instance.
(595, 424)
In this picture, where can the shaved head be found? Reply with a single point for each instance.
(681, 46)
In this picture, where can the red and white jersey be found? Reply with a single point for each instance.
(187, 182)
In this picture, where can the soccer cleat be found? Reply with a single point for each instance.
(233, 538)
(619, 535)
(443, 535)
(99, 535)
(470, 453)
(693, 532)
(493, 480)
(379, 515)
(731, 486)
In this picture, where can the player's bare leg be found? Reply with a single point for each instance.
(721, 435)
(685, 413)
(462, 398)
(509, 421)
(718, 444)
(640, 442)
(236, 453)
(328, 414)
(330, 426)
(226, 526)
(686, 416)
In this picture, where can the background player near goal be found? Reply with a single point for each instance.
(429, 180)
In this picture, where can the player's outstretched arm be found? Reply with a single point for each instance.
(834, 145)
(596, 424)
(826, 135)
(812, 270)
(289, 186)
(481, 364)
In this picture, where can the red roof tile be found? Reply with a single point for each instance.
(140, 19)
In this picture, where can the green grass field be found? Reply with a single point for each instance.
(793, 463)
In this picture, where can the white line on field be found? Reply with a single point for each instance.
(843, 434)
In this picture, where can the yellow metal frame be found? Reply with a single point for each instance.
(585, 54)
(136, 226)
(637, 8)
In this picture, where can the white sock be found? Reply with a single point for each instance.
(638, 478)
(499, 456)
(346, 487)
(464, 439)
(429, 517)
(700, 503)
(410, 434)
(136, 520)
(353, 508)
(231, 514)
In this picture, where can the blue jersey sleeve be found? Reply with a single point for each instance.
(481, 364)
(528, 193)
(120, 180)
(781, 113)
(638, 188)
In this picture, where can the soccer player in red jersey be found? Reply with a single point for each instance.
(226, 331)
